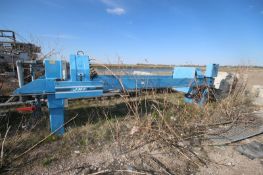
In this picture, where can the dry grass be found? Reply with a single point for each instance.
(149, 133)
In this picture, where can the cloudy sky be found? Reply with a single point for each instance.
(138, 31)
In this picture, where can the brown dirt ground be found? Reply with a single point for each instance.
(255, 77)
(225, 159)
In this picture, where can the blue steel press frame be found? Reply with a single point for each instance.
(58, 86)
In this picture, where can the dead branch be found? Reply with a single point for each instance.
(2, 147)
(41, 141)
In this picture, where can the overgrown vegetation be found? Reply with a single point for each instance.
(149, 133)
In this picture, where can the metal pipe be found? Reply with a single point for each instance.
(32, 72)
(20, 73)
(16, 103)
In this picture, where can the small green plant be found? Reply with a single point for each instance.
(48, 160)
(53, 138)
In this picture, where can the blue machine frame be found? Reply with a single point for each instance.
(58, 86)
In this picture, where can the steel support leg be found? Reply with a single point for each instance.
(56, 113)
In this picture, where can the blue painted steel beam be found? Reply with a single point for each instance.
(130, 82)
